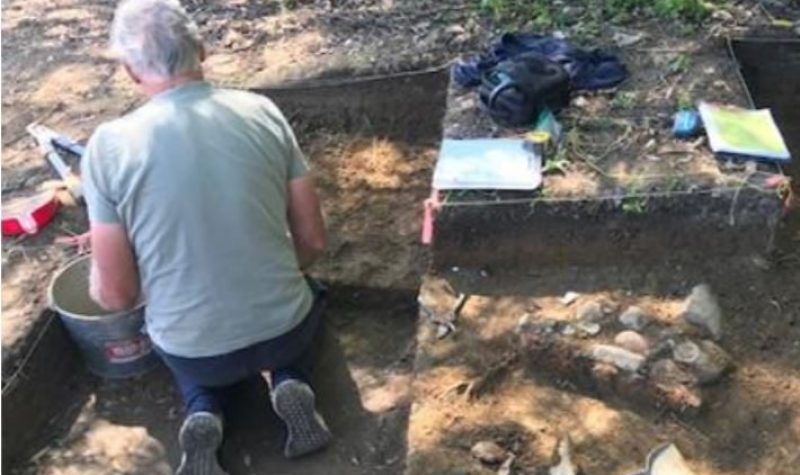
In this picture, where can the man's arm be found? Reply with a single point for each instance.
(305, 221)
(114, 277)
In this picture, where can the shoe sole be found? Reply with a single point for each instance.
(294, 402)
(200, 439)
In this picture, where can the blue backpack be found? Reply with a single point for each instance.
(516, 91)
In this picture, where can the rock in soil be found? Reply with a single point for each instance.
(632, 341)
(587, 328)
(666, 372)
(507, 467)
(634, 318)
(607, 369)
(668, 460)
(706, 360)
(687, 352)
(527, 323)
(702, 310)
(565, 465)
(488, 452)
(589, 312)
(620, 357)
(723, 16)
(569, 298)
(717, 363)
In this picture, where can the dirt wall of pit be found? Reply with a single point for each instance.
(407, 106)
(40, 390)
(680, 228)
(771, 69)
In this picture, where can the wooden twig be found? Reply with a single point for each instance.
(491, 377)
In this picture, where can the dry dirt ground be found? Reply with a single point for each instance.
(55, 70)
(750, 423)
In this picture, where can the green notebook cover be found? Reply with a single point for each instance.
(732, 130)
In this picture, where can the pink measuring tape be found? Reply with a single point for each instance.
(432, 206)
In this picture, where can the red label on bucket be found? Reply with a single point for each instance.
(124, 351)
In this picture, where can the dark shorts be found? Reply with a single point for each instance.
(289, 356)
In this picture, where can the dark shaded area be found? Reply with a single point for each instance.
(406, 106)
(681, 227)
(771, 70)
(41, 391)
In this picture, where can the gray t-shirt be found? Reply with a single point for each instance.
(198, 177)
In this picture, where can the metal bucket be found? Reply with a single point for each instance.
(113, 345)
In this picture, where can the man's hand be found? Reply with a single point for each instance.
(114, 278)
(82, 242)
(305, 221)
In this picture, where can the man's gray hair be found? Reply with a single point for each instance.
(156, 38)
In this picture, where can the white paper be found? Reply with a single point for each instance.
(492, 164)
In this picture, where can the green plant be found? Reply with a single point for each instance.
(634, 205)
(673, 183)
(633, 202)
(540, 14)
(494, 7)
(694, 10)
(624, 100)
(604, 123)
(543, 18)
(555, 165)
(543, 13)
(680, 64)
(628, 5)
(684, 100)
(587, 31)
(619, 9)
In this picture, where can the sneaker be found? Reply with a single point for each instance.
(200, 438)
(294, 401)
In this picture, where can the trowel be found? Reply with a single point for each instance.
(665, 460)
